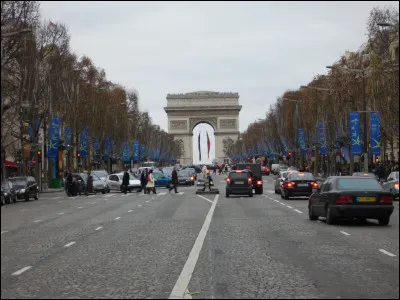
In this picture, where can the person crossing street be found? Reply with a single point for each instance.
(174, 177)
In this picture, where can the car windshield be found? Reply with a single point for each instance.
(358, 184)
(301, 176)
(235, 176)
(19, 181)
(184, 173)
(99, 173)
(285, 174)
(4, 185)
(95, 177)
(132, 177)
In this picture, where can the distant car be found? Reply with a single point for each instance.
(364, 174)
(391, 184)
(255, 169)
(162, 180)
(239, 182)
(8, 193)
(351, 197)
(186, 177)
(26, 187)
(298, 184)
(280, 179)
(99, 185)
(265, 170)
(114, 182)
(100, 173)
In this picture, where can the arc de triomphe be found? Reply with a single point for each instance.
(185, 111)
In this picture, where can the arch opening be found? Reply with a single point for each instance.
(203, 143)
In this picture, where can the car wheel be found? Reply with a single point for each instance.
(15, 199)
(311, 216)
(2, 201)
(103, 191)
(251, 194)
(36, 197)
(227, 195)
(328, 215)
(286, 197)
(108, 190)
(281, 195)
(8, 200)
(27, 198)
(384, 221)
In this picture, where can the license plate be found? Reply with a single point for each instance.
(302, 184)
(239, 182)
(366, 199)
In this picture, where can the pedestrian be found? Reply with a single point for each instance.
(89, 184)
(68, 186)
(151, 182)
(174, 177)
(143, 182)
(125, 181)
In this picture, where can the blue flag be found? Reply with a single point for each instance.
(84, 142)
(323, 148)
(375, 133)
(285, 147)
(68, 136)
(54, 137)
(356, 142)
(125, 152)
(95, 148)
(107, 148)
(271, 151)
(136, 150)
(301, 140)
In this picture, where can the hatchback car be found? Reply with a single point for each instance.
(26, 187)
(114, 182)
(162, 180)
(8, 193)
(391, 184)
(298, 184)
(239, 182)
(351, 197)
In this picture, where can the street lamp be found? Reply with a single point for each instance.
(362, 72)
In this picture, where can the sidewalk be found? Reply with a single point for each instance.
(52, 190)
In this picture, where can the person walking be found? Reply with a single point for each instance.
(125, 181)
(69, 185)
(174, 177)
(151, 183)
(143, 181)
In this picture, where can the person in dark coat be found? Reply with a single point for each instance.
(174, 177)
(89, 185)
(69, 185)
(143, 181)
(125, 181)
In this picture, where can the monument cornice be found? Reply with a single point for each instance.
(202, 95)
(168, 109)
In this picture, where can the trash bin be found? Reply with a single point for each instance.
(56, 183)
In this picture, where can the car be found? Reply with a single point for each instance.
(100, 173)
(8, 193)
(80, 180)
(26, 187)
(351, 197)
(365, 174)
(255, 169)
(186, 177)
(239, 182)
(280, 179)
(162, 180)
(114, 182)
(265, 170)
(99, 185)
(391, 184)
(298, 184)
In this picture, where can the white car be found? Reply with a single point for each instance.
(114, 182)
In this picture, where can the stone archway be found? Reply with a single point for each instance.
(185, 111)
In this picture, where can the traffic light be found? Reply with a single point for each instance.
(289, 156)
(39, 156)
(78, 155)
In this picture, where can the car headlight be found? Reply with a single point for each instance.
(5, 193)
(22, 190)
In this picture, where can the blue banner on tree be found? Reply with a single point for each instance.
(107, 148)
(285, 147)
(375, 133)
(84, 142)
(301, 140)
(142, 151)
(31, 133)
(271, 151)
(95, 148)
(68, 136)
(356, 142)
(323, 148)
(126, 156)
(136, 150)
(54, 137)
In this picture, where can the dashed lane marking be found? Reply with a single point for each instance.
(37, 221)
(91, 196)
(289, 206)
(55, 198)
(109, 195)
(140, 205)
(205, 198)
(344, 232)
(130, 210)
(282, 203)
(19, 272)
(98, 228)
(61, 213)
(271, 192)
(79, 207)
(117, 218)
(181, 193)
(69, 244)
(147, 201)
(387, 253)
(161, 194)
(4, 231)
(299, 211)
(94, 202)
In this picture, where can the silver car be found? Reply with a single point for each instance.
(391, 184)
(280, 179)
(114, 181)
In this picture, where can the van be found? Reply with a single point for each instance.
(256, 173)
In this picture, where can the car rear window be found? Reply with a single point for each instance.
(301, 176)
(236, 176)
(358, 184)
(254, 168)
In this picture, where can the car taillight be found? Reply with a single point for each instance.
(386, 199)
(290, 184)
(228, 180)
(314, 184)
(250, 181)
(344, 200)
(259, 182)
(268, 170)
(396, 185)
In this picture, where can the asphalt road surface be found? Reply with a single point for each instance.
(187, 246)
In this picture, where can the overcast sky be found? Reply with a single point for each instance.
(259, 50)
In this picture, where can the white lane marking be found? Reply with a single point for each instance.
(276, 200)
(109, 195)
(299, 211)
(181, 193)
(80, 207)
(271, 192)
(282, 203)
(91, 196)
(69, 244)
(4, 231)
(140, 205)
(19, 272)
(147, 201)
(205, 198)
(60, 201)
(94, 202)
(387, 252)
(37, 221)
(161, 194)
(344, 232)
(98, 228)
(130, 210)
(117, 218)
(289, 206)
(182, 283)
(24, 209)
(125, 195)
(55, 198)
(61, 213)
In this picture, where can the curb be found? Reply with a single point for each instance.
(52, 191)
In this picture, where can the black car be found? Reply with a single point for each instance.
(298, 184)
(256, 175)
(79, 183)
(185, 177)
(8, 193)
(239, 182)
(351, 197)
(26, 187)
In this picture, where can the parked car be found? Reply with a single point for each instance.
(351, 197)
(391, 184)
(100, 173)
(298, 184)
(161, 179)
(255, 169)
(239, 182)
(99, 185)
(114, 182)
(26, 187)
(8, 193)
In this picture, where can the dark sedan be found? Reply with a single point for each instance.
(8, 193)
(298, 184)
(26, 187)
(351, 197)
(185, 177)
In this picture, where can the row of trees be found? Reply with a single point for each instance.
(329, 98)
(42, 77)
